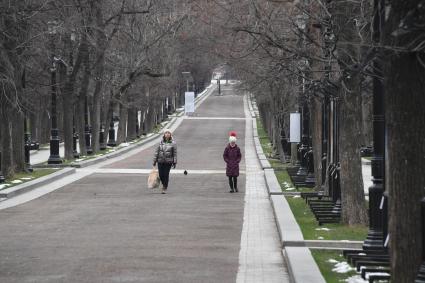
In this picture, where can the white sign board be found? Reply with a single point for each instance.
(295, 127)
(189, 102)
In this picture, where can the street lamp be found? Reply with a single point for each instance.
(111, 139)
(377, 199)
(87, 133)
(27, 146)
(111, 132)
(74, 143)
(2, 179)
(54, 157)
(102, 143)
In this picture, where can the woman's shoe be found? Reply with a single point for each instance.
(164, 189)
(236, 190)
(231, 191)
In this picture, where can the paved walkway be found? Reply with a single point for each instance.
(260, 256)
(108, 227)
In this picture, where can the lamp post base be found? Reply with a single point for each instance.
(420, 278)
(54, 157)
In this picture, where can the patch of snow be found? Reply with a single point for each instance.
(290, 189)
(16, 182)
(356, 279)
(27, 178)
(342, 267)
(80, 159)
(361, 254)
(296, 196)
(323, 229)
(124, 144)
(320, 238)
(331, 260)
(2, 186)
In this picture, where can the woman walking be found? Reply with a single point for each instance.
(232, 156)
(166, 157)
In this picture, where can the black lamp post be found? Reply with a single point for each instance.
(27, 139)
(421, 274)
(54, 157)
(111, 139)
(137, 127)
(375, 238)
(87, 134)
(74, 143)
(335, 176)
(102, 143)
(302, 171)
(325, 133)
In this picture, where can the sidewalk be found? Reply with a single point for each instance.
(260, 258)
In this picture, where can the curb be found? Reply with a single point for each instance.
(265, 164)
(301, 266)
(30, 185)
(272, 183)
(289, 230)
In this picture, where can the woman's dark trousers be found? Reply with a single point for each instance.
(164, 173)
(233, 183)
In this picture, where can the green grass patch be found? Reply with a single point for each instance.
(308, 225)
(325, 259)
(264, 139)
(277, 164)
(22, 177)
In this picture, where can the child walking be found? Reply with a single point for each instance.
(232, 156)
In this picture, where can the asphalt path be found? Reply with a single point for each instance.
(111, 228)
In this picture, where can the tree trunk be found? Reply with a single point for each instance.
(6, 149)
(98, 74)
(132, 122)
(122, 126)
(149, 119)
(350, 127)
(68, 78)
(18, 141)
(80, 123)
(350, 116)
(405, 164)
(67, 91)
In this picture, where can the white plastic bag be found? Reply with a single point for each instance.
(153, 179)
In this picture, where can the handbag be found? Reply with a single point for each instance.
(153, 179)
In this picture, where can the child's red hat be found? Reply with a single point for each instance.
(232, 134)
